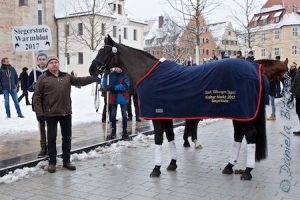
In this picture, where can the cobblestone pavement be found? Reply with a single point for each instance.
(125, 174)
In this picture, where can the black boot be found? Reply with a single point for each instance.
(172, 166)
(228, 169)
(155, 172)
(112, 135)
(43, 152)
(125, 135)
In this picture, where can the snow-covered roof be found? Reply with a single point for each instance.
(264, 17)
(287, 20)
(217, 30)
(277, 14)
(272, 8)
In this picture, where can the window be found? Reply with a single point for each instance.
(263, 36)
(134, 34)
(40, 2)
(23, 2)
(103, 29)
(229, 32)
(40, 17)
(115, 7)
(277, 19)
(264, 19)
(276, 51)
(229, 53)
(295, 32)
(207, 40)
(67, 55)
(67, 30)
(207, 51)
(262, 52)
(114, 31)
(276, 35)
(80, 58)
(125, 33)
(80, 29)
(294, 49)
(252, 37)
(120, 9)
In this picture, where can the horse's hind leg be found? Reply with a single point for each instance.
(158, 137)
(194, 134)
(172, 146)
(250, 134)
(238, 138)
(186, 133)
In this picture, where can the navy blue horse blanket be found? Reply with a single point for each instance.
(230, 88)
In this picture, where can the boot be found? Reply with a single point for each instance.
(69, 166)
(112, 135)
(125, 135)
(272, 117)
(51, 168)
(43, 152)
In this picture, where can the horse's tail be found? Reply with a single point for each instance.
(260, 125)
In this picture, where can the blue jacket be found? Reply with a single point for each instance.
(9, 78)
(120, 83)
(30, 83)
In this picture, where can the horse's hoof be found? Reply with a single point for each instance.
(246, 176)
(197, 144)
(155, 173)
(227, 170)
(172, 166)
(186, 143)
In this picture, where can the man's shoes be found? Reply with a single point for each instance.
(8, 116)
(21, 116)
(138, 119)
(125, 135)
(297, 133)
(272, 117)
(69, 166)
(43, 152)
(51, 168)
(129, 119)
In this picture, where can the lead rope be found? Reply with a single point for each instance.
(97, 98)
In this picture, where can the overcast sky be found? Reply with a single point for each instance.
(147, 9)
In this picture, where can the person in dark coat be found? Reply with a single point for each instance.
(23, 79)
(296, 93)
(9, 82)
(250, 56)
(52, 100)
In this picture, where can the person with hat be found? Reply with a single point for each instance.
(9, 82)
(33, 76)
(250, 56)
(52, 101)
(23, 79)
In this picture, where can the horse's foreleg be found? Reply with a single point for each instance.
(238, 138)
(172, 146)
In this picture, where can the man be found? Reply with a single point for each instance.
(52, 100)
(296, 93)
(239, 55)
(133, 95)
(33, 76)
(9, 82)
(23, 78)
(250, 56)
(118, 87)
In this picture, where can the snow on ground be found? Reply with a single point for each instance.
(82, 105)
(140, 141)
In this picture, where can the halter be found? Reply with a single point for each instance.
(103, 66)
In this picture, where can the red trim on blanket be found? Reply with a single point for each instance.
(237, 119)
(147, 74)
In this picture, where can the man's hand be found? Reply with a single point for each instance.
(41, 119)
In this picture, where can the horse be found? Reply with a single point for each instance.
(140, 65)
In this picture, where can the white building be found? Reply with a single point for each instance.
(75, 33)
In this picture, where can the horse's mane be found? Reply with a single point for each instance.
(138, 50)
(266, 62)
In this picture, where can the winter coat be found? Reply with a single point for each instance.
(296, 85)
(250, 58)
(120, 84)
(30, 83)
(9, 77)
(23, 78)
(52, 95)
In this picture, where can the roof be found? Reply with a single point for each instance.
(217, 30)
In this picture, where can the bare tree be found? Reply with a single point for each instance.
(192, 14)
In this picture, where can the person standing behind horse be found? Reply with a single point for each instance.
(40, 69)
(296, 93)
(52, 100)
(133, 95)
(274, 92)
(9, 82)
(23, 78)
(250, 56)
(118, 87)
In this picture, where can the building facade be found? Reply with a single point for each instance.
(20, 13)
(80, 40)
(276, 30)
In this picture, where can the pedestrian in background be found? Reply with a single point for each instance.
(33, 76)
(239, 55)
(23, 79)
(9, 83)
(133, 96)
(52, 100)
(250, 56)
(296, 93)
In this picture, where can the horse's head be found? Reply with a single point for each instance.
(274, 69)
(282, 70)
(106, 57)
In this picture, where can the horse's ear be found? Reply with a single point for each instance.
(286, 61)
(109, 40)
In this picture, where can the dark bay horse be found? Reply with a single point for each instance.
(139, 64)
